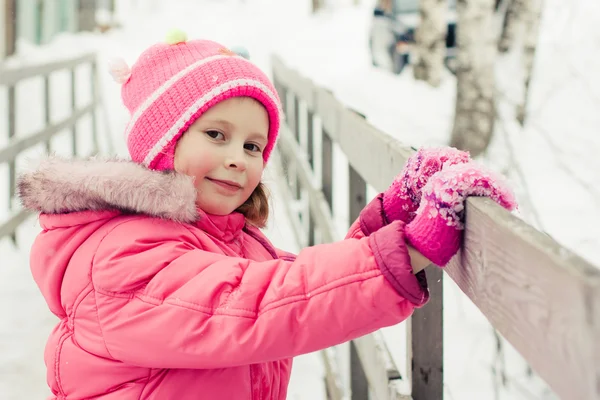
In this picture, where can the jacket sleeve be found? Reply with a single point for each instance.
(371, 218)
(183, 307)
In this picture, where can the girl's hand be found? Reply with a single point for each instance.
(402, 198)
(436, 231)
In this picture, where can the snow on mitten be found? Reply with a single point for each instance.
(402, 198)
(436, 231)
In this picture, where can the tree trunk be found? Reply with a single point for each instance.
(511, 23)
(430, 39)
(316, 5)
(532, 13)
(475, 103)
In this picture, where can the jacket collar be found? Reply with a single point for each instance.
(61, 186)
(224, 227)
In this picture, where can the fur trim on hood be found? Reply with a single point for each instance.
(69, 185)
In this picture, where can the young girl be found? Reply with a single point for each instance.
(165, 287)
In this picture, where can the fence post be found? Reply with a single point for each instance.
(39, 22)
(357, 197)
(310, 138)
(94, 90)
(12, 129)
(327, 168)
(73, 108)
(282, 94)
(293, 125)
(10, 32)
(47, 116)
(427, 342)
(86, 15)
(310, 150)
(296, 113)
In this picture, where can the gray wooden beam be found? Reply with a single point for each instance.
(17, 145)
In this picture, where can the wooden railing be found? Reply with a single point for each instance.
(10, 77)
(544, 299)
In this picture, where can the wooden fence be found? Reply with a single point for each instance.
(544, 299)
(10, 77)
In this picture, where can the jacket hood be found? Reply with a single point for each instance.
(76, 197)
(59, 186)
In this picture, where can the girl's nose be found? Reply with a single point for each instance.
(236, 160)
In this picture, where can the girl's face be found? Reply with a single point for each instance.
(223, 150)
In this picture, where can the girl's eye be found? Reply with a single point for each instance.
(215, 135)
(252, 147)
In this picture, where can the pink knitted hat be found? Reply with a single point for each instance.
(173, 83)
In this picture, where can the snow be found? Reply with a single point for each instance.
(552, 161)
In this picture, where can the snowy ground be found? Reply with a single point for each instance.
(555, 154)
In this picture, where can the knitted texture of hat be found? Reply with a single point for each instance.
(171, 85)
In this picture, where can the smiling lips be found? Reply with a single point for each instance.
(229, 185)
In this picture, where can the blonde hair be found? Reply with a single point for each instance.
(256, 208)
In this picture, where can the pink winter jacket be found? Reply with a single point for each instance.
(158, 300)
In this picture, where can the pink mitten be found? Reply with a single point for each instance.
(402, 198)
(436, 231)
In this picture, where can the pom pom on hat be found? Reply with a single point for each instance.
(119, 70)
(241, 51)
(175, 36)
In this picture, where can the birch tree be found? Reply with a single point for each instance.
(430, 37)
(511, 23)
(316, 5)
(475, 103)
(532, 12)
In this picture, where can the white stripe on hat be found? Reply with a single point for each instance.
(170, 134)
(166, 85)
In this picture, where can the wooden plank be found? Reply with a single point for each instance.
(17, 145)
(386, 155)
(9, 227)
(541, 297)
(12, 75)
